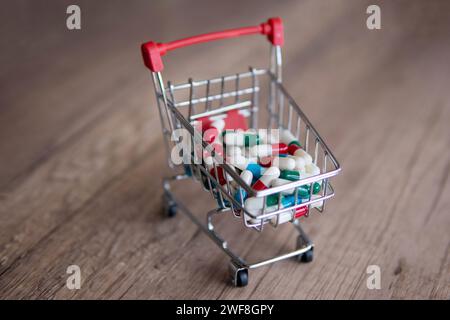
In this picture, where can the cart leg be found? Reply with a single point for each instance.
(238, 274)
(303, 241)
(169, 204)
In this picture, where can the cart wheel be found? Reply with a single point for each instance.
(170, 207)
(241, 278)
(307, 256)
(171, 210)
(239, 274)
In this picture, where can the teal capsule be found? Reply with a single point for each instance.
(239, 138)
(251, 139)
(272, 200)
(292, 175)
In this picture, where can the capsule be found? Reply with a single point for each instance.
(293, 175)
(264, 182)
(247, 177)
(292, 148)
(207, 156)
(256, 204)
(299, 163)
(243, 163)
(233, 150)
(303, 191)
(241, 139)
(288, 138)
(318, 203)
(312, 169)
(283, 163)
(300, 212)
(265, 150)
(214, 131)
(281, 182)
(220, 176)
(303, 154)
(287, 215)
(269, 136)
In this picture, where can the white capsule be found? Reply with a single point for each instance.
(284, 163)
(282, 218)
(208, 161)
(299, 163)
(286, 136)
(257, 213)
(247, 176)
(269, 136)
(303, 154)
(281, 182)
(233, 150)
(266, 179)
(234, 139)
(262, 150)
(240, 138)
(255, 205)
(239, 162)
(287, 215)
(318, 203)
(312, 169)
(219, 125)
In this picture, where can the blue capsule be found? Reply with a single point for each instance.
(256, 170)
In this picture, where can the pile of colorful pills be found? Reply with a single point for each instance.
(265, 160)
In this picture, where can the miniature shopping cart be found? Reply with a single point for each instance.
(259, 96)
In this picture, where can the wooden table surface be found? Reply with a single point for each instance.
(82, 157)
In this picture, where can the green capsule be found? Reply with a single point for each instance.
(251, 139)
(303, 192)
(272, 200)
(240, 138)
(292, 175)
(316, 187)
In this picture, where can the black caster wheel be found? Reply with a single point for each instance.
(170, 207)
(242, 278)
(307, 256)
(238, 274)
(171, 211)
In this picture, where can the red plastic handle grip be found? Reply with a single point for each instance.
(152, 51)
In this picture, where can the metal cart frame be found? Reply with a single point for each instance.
(180, 106)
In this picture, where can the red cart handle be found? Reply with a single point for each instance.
(152, 51)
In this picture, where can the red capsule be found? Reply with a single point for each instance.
(266, 161)
(292, 148)
(220, 175)
(278, 148)
(300, 212)
(214, 130)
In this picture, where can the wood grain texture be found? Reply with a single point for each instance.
(82, 157)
